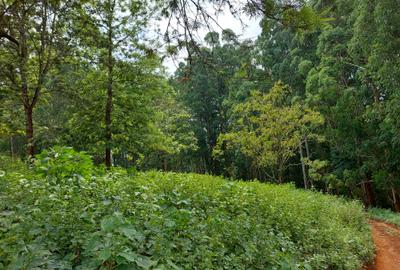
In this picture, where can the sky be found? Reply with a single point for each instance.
(251, 30)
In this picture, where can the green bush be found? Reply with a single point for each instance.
(385, 215)
(63, 162)
(176, 221)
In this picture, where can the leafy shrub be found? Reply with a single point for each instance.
(176, 221)
(385, 215)
(63, 162)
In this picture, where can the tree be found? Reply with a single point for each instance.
(268, 129)
(205, 88)
(136, 91)
(373, 52)
(33, 38)
(353, 85)
(332, 88)
(119, 24)
(175, 142)
(287, 55)
(117, 27)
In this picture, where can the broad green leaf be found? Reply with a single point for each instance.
(105, 254)
(129, 256)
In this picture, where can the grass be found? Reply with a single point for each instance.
(385, 215)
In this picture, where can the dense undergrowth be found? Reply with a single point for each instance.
(385, 215)
(154, 220)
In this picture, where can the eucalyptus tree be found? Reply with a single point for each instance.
(375, 55)
(353, 84)
(204, 85)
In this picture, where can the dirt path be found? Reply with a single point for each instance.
(387, 243)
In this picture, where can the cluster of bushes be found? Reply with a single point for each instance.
(58, 219)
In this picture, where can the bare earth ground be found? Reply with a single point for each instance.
(387, 245)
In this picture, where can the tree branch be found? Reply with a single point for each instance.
(10, 38)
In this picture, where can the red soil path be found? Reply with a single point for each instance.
(387, 246)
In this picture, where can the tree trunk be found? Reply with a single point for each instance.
(280, 177)
(303, 167)
(396, 200)
(368, 193)
(28, 106)
(308, 157)
(12, 148)
(108, 121)
(280, 173)
(109, 105)
(29, 131)
(165, 163)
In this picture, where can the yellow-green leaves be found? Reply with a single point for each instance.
(269, 128)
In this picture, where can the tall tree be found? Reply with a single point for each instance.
(378, 70)
(33, 37)
(204, 86)
(118, 26)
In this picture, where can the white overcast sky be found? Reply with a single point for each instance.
(251, 30)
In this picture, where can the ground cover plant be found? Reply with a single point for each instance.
(157, 220)
(385, 215)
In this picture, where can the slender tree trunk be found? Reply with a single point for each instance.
(280, 173)
(303, 167)
(29, 131)
(12, 148)
(109, 104)
(108, 119)
(28, 107)
(306, 144)
(308, 157)
(165, 163)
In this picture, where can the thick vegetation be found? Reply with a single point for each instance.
(313, 99)
(153, 220)
(311, 102)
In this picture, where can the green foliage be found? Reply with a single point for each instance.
(88, 74)
(209, 86)
(319, 171)
(305, 18)
(385, 215)
(268, 129)
(354, 87)
(175, 139)
(10, 165)
(136, 112)
(63, 162)
(175, 221)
